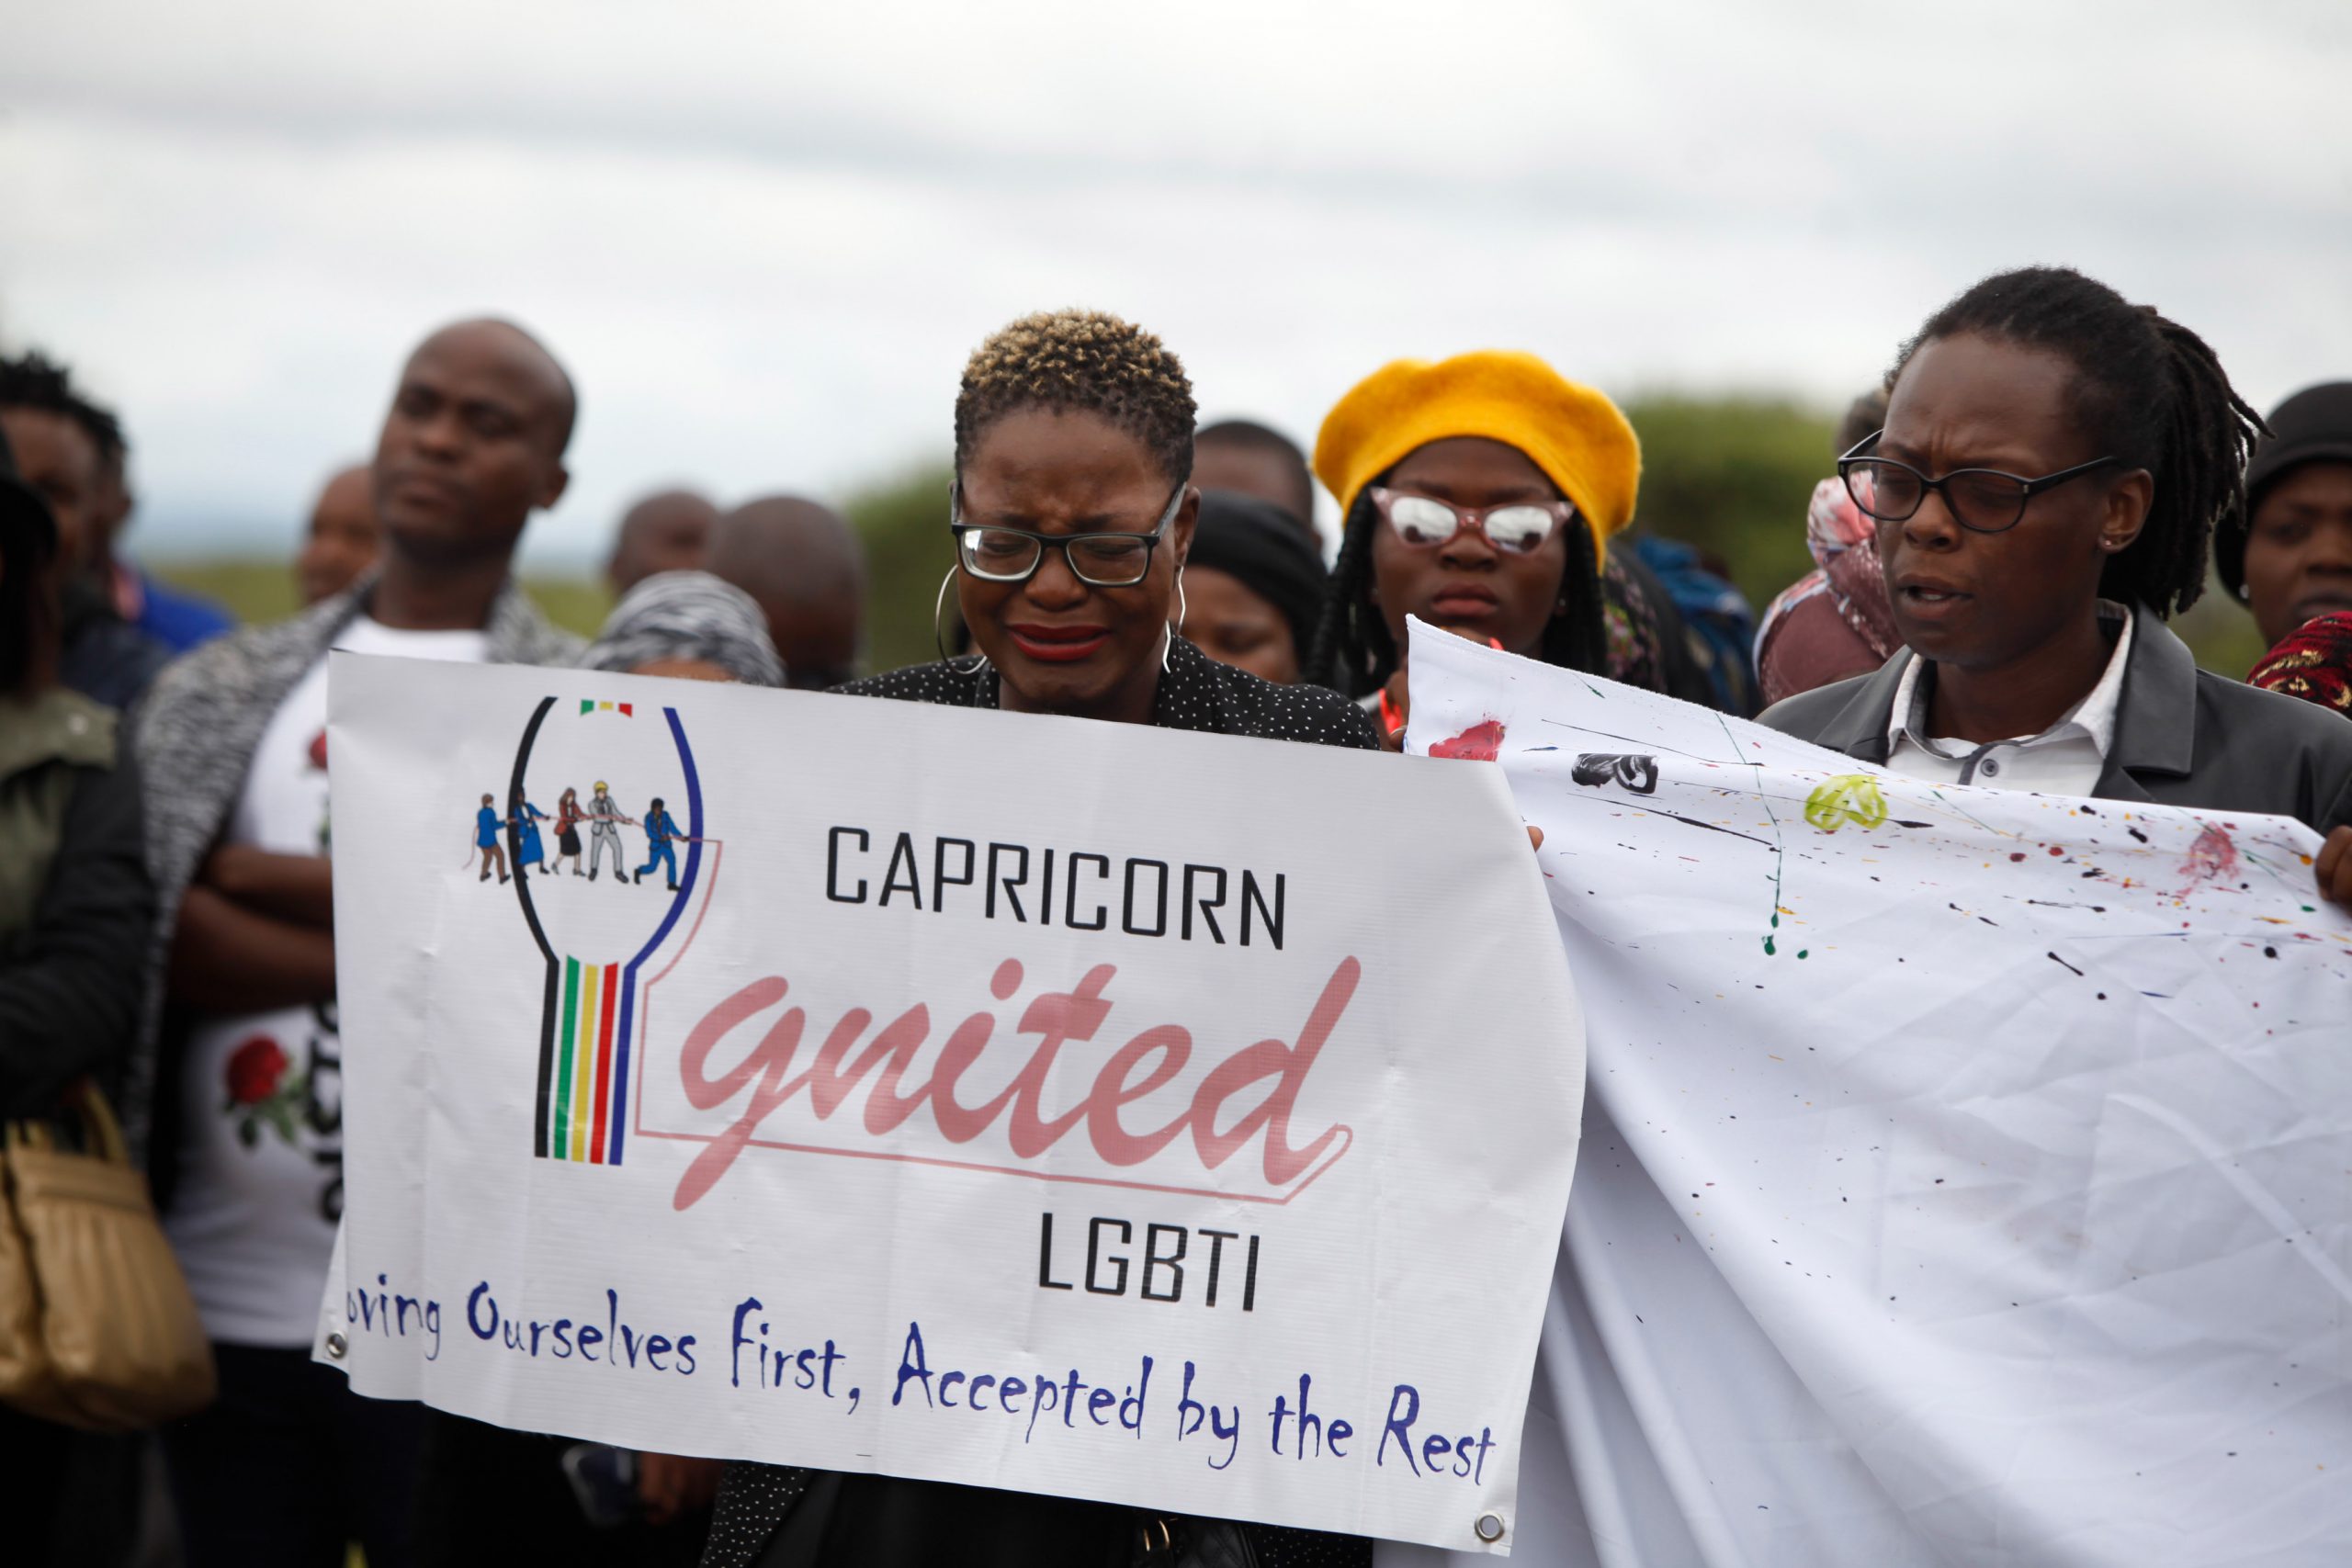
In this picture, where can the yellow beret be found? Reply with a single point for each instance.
(1574, 434)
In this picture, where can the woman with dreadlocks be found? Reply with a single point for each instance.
(2053, 466)
(1479, 492)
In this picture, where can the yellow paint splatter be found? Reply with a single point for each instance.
(1843, 798)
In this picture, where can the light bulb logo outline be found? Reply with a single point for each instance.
(605, 1030)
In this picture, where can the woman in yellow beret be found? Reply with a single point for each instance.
(1480, 494)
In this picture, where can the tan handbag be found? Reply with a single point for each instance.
(98, 1329)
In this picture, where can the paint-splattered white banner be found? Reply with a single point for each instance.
(1964, 1176)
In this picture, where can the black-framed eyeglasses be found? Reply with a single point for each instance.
(1985, 501)
(996, 554)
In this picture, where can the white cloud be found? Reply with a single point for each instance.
(764, 237)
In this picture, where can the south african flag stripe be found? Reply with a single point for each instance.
(587, 1102)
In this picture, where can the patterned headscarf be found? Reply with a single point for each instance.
(2313, 662)
(1842, 540)
(1798, 645)
(688, 615)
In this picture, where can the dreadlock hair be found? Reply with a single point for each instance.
(2150, 392)
(36, 381)
(1082, 361)
(1351, 637)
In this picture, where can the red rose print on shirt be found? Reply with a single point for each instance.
(255, 1069)
(261, 1089)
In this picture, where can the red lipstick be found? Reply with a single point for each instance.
(1059, 644)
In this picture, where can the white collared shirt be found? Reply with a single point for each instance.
(2065, 759)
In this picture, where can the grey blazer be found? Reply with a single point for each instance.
(2183, 735)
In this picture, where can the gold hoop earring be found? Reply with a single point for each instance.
(939, 634)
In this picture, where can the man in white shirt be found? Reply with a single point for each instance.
(237, 813)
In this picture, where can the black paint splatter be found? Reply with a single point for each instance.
(2070, 968)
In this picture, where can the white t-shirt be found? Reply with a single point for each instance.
(261, 1145)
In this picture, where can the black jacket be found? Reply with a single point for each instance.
(2183, 735)
(1196, 693)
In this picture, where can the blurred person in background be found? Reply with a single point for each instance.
(1252, 587)
(2054, 463)
(2313, 662)
(2289, 557)
(76, 912)
(667, 531)
(289, 1466)
(177, 620)
(1715, 668)
(1253, 459)
(1835, 622)
(1480, 494)
(342, 541)
(50, 428)
(802, 563)
(689, 626)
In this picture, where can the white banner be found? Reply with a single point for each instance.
(1168, 1119)
(1965, 1172)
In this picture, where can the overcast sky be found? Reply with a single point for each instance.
(763, 236)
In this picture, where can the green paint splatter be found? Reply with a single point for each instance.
(1804, 953)
(2275, 875)
(1986, 826)
(1780, 848)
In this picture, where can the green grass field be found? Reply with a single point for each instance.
(259, 591)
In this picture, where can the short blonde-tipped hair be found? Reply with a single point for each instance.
(1080, 360)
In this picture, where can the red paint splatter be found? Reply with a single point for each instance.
(2017, 855)
(2212, 857)
(318, 751)
(1481, 742)
(2055, 849)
